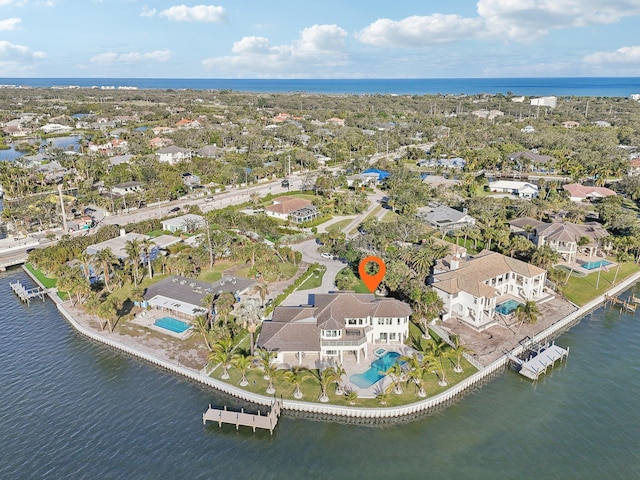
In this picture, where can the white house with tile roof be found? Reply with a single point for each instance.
(337, 323)
(473, 286)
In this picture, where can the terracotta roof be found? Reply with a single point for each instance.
(583, 191)
(286, 205)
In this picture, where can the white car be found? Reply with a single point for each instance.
(326, 255)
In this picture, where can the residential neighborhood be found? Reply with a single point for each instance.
(233, 236)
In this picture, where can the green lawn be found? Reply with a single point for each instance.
(46, 281)
(315, 280)
(215, 273)
(311, 388)
(582, 290)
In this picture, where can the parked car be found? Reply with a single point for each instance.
(326, 255)
(174, 210)
(285, 183)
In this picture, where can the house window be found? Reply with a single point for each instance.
(352, 321)
(331, 333)
(392, 336)
(331, 353)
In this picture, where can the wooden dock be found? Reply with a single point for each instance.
(540, 360)
(241, 418)
(629, 305)
(26, 294)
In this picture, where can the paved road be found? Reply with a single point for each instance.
(310, 255)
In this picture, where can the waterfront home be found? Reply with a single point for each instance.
(566, 238)
(335, 324)
(184, 297)
(185, 223)
(582, 193)
(296, 209)
(476, 287)
(445, 219)
(519, 189)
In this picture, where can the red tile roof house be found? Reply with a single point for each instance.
(634, 167)
(337, 323)
(299, 210)
(580, 193)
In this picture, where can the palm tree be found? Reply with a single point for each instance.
(416, 372)
(201, 326)
(106, 259)
(249, 313)
(351, 397)
(457, 351)
(395, 372)
(325, 377)
(383, 397)
(146, 247)
(243, 363)
(224, 305)
(528, 312)
(222, 353)
(621, 257)
(263, 291)
(296, 376)
(339, 373)
(133, 249)
(266, 358)
(544, 257)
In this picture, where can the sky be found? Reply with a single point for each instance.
(319, 39)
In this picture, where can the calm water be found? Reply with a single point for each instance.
(573, 86)
(71, 408)
(58, 142)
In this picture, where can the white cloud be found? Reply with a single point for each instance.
(12, 52)
(147, 11)
(199, 13)
(109, 58)
(530, 19)
(9, 24)
(625, 56)
(418, 31)
(518, 20)
(317, 48)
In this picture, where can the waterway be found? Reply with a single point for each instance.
(71, 408)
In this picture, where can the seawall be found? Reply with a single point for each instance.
(328, 411)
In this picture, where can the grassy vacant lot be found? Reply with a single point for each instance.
(582, 290)
(214, 273)
(46, 281)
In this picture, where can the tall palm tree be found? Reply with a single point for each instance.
(339, 373)
(544, 257)
(395, 372)
(416, 372)
(146, 246)
(269, 370)
(106, 259)
(133, 249)
(457, 351)
(201, 326)
(527, 313)
(224, 305)
(249, 314)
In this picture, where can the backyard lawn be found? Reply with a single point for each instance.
(581, 290)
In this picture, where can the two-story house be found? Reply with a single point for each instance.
(336, 323)
(173, 154)
(566, 238)
(477, 287)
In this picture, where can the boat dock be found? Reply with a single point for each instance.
(629, 305)
(540, 360)
(266, 422)
(26, 294)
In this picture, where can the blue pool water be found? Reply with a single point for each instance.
(172, 324)
(373, 375)
(507, 307)
(595, 264)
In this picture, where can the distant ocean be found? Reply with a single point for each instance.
(571, 86)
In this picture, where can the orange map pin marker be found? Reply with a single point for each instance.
(372, 281)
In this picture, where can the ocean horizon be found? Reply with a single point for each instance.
(522, 86)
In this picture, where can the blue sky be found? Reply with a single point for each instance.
(319, 39)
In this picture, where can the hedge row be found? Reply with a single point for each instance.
(291, 288)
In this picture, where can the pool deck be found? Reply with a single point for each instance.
(146, 318)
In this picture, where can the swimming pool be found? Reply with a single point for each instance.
(172, 324)
(595, 264)
(373, 375)
(508, 307)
